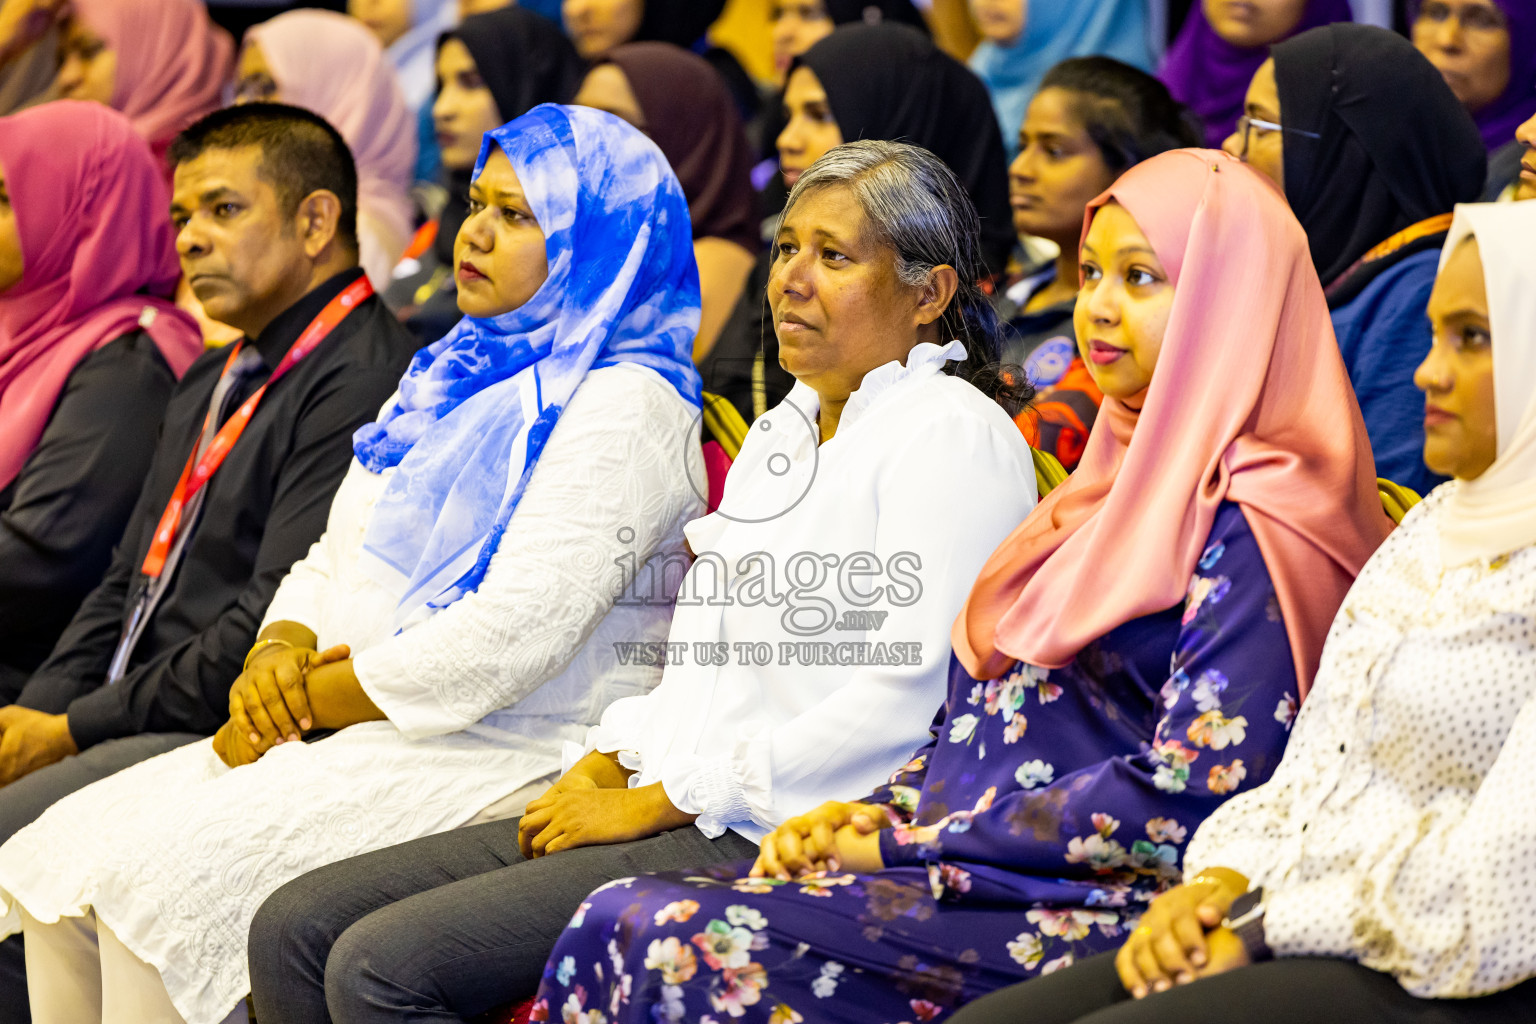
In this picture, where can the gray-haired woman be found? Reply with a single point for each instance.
(810, 643)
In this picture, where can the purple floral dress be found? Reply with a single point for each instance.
(1049, 807)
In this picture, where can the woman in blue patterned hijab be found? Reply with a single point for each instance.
(585, 262)
(476, 408)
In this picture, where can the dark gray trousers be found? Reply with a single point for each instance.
(441, 928)
(1295, 990)
(24, 801)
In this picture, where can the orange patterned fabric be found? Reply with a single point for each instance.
(1061, 417)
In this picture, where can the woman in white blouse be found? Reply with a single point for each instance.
(1388, 862)
(456, 622)
(810, 645)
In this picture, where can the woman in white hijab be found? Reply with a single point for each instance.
(1388, 859)
(330, 64)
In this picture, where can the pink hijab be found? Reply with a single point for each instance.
(172, 62)
(332, 65)
(1249, 403)
(96, 241)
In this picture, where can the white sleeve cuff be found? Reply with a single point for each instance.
(621, 731)
(1243, 834)
(709, 788)
(387, 680)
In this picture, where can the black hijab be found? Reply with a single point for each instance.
(679, 22)
(890, 82)
(525, 59)
(841, 12)
(1395, 147)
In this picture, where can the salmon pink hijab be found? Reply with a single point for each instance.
(92, 214)
(332, 65)
(1249, 403)
(172, 62)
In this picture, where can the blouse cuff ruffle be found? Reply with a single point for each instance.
(709, 788)
(1246, 848)
(609, 740)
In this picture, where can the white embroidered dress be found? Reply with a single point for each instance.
(176, 854)
(845, 563)
(1400, 828)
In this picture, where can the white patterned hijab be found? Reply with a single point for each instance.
(1496, 513)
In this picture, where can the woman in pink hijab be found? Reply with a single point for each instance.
(333, 65)
(1129, 658)
(1246, 409)
(161, 62)
(89, 353)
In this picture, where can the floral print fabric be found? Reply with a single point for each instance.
(1050, 806)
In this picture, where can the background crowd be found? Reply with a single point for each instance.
(373, 373)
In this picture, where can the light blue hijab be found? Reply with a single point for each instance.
(1053, 31)
(475, 409)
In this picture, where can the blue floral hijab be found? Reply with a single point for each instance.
(475, 409)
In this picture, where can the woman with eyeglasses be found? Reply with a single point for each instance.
(1222, 43)
(1382, 874)
(1373, 152)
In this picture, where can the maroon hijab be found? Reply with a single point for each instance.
(689, 114)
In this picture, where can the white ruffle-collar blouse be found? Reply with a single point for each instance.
(810, 642)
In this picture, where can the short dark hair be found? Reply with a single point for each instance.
(1127, 113)
(300, 153)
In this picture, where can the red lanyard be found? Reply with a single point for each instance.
(194, 476)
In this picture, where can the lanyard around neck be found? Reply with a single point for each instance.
(199, 471)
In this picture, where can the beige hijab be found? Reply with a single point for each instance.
(1496, 513)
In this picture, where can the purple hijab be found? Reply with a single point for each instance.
(1499, 119)
(1211, 76)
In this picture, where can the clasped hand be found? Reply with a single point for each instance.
(837, 836)
(1180, 937)
(269, 703)
(30, 740)
(576, 811)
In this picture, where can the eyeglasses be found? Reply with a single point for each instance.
(1251, 126)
